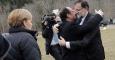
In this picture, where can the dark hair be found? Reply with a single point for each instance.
(63, 13)
(84, 4)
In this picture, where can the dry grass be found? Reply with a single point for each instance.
(108, 37)
(41, 43)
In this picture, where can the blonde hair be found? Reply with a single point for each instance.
(17, 16)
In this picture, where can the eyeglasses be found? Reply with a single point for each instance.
(79, 9)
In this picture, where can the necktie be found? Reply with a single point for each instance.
(79, 20)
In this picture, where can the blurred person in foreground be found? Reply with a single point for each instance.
(21, 36)
(5, 46)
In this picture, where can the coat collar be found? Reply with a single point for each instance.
(20, 29)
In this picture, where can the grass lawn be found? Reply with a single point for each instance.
(108, 38)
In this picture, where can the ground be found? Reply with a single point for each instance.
(108, 39)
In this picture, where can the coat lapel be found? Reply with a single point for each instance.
(87, 18)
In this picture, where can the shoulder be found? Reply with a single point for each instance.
(94, 15)
(26, 36)
(27, 40)
(90, 14)
(23, 34)
(21, 37)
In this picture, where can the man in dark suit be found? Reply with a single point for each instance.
(87, 33)
(68, 18)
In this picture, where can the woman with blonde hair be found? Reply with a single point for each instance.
(21, 37)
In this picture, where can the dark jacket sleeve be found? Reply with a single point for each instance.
(84, 42)
(89, 28)
(93, 22)
(29, 48)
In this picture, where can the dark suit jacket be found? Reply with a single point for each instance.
(67, 33)
(85, 40)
